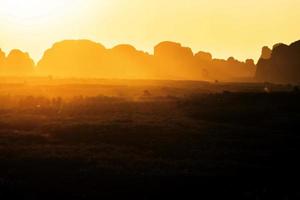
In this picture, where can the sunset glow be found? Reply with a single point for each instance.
(31, 10)
(220, 27)
(149, 99)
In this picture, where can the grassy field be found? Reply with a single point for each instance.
(78, 139)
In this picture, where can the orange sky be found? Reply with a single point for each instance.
(222, 27)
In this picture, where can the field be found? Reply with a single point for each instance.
(91, 139)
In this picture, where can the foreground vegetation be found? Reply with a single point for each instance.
(149, 144)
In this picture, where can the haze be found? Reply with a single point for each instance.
(224, 28)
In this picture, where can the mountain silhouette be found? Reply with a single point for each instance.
(2, 59)
(17, 63)
(73, 58)
(282, 66)
(84, 58)
(231, 68)
(125, 61)
(176, 61)
(88, 59)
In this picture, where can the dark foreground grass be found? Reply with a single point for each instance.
(202, 146)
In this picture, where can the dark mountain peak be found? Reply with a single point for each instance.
(283, 66)
(266, 53)
(295, 44)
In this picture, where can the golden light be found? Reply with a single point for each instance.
(34, 11)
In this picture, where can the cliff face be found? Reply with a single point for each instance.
(283, 65)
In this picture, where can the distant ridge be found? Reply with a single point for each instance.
(171, 60)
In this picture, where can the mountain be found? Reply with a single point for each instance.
(16, 63)
(73, 58)
(282, 66)
(84, 58)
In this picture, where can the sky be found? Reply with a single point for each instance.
(238, 28)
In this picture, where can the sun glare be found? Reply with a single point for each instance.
(31, 11)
